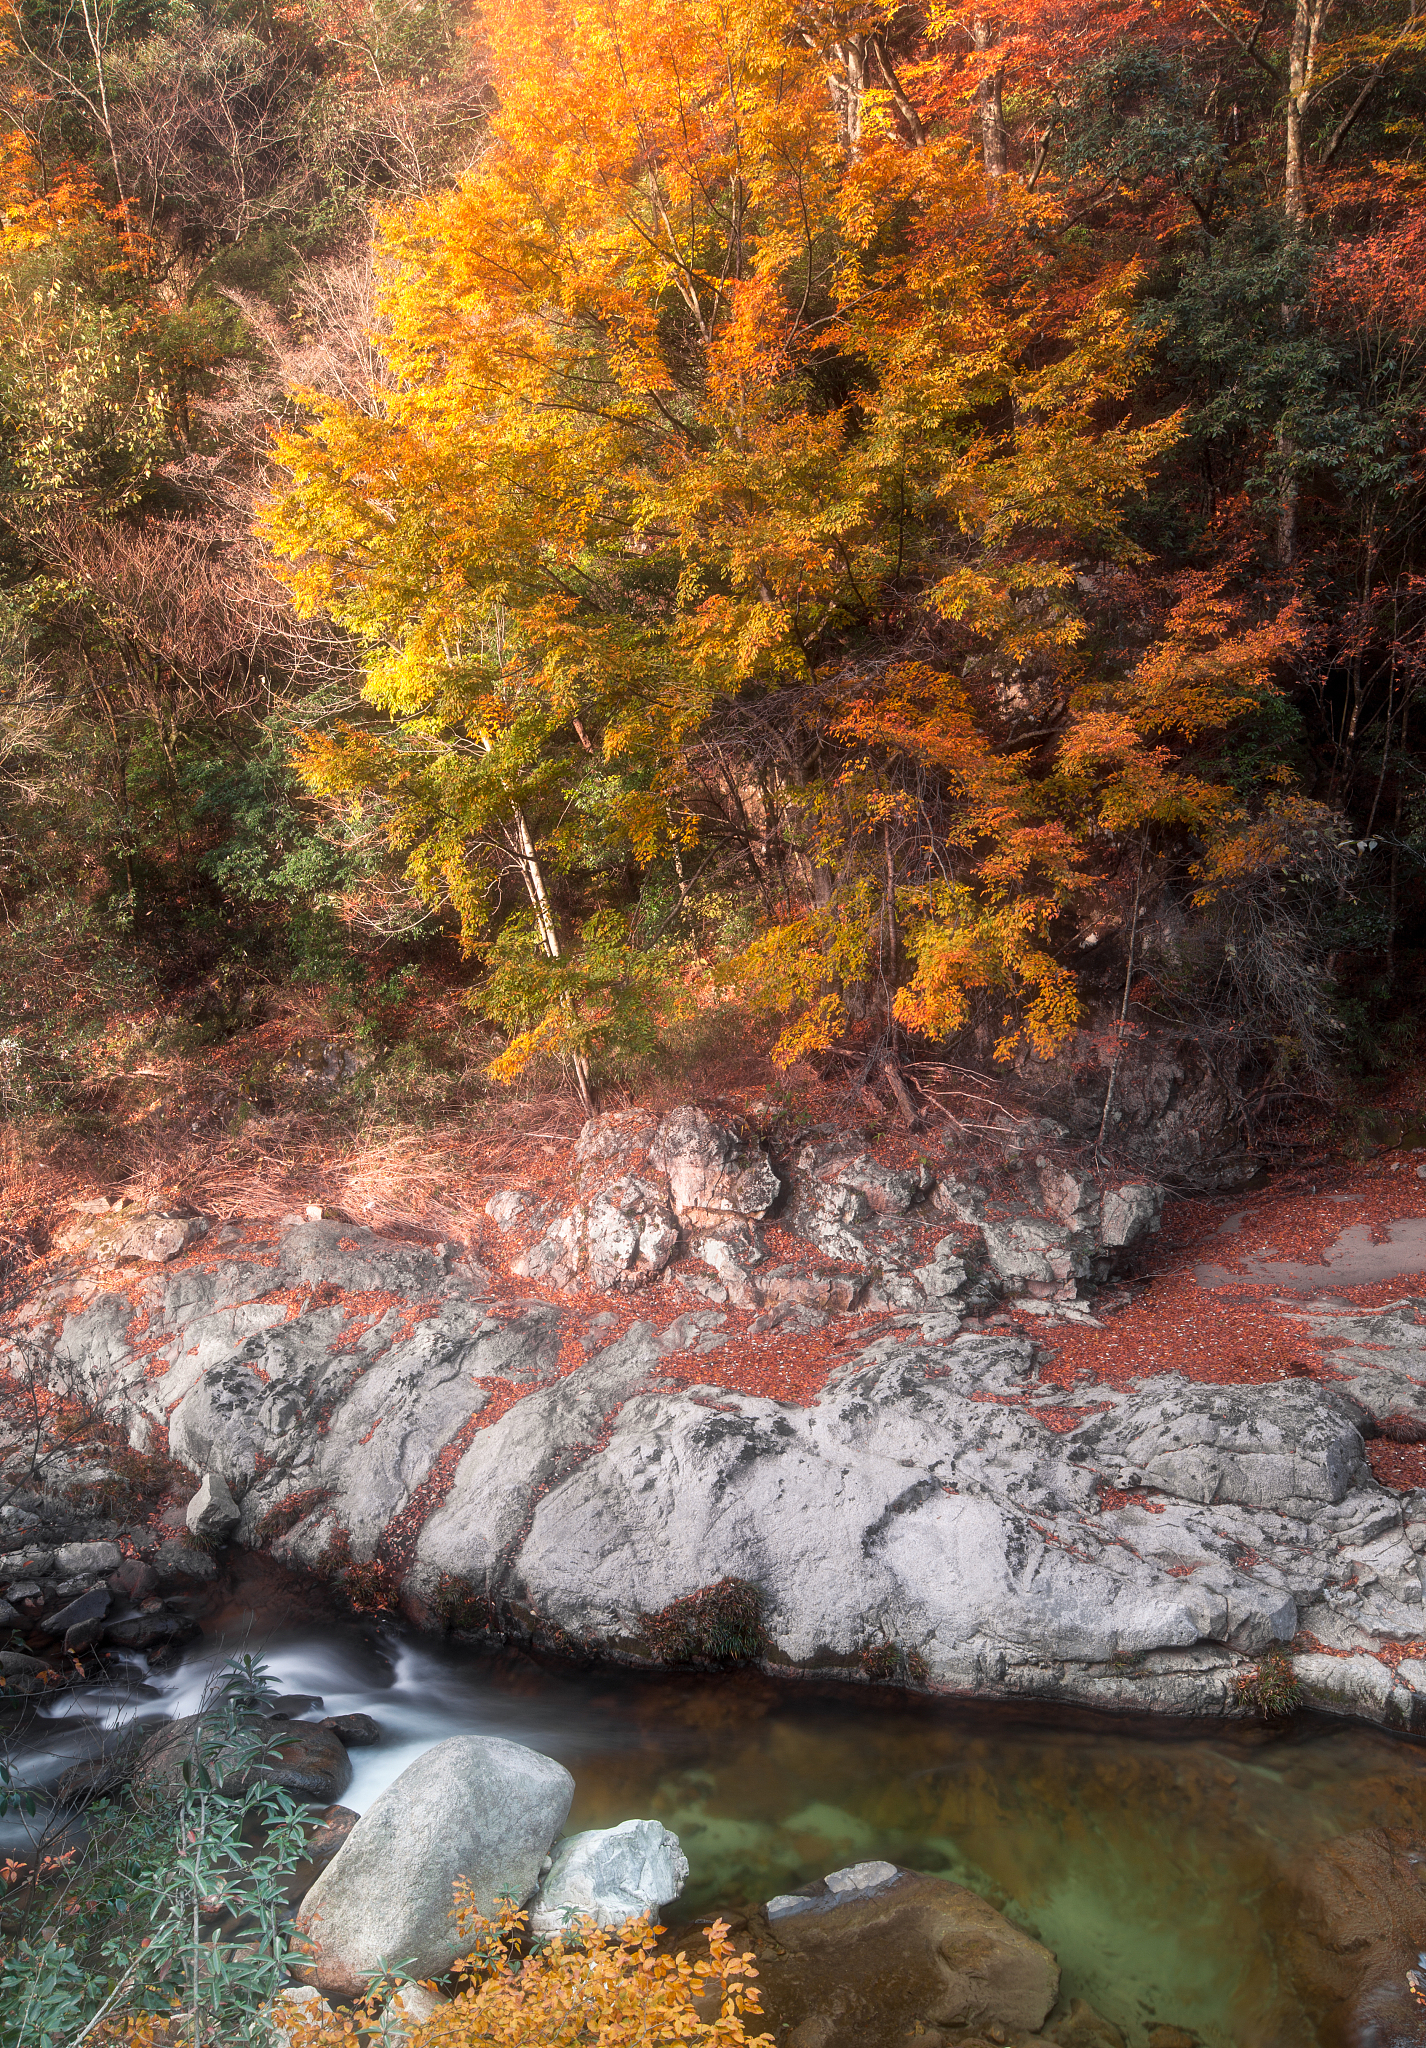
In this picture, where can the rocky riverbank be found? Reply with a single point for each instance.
(785, 1395)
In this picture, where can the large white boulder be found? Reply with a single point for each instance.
(473, 1807)
(610, 1875)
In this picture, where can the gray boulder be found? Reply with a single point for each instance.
(1129, 1213)
(1039, 1250)
(621, 1238)
(212, 1514)
(610, 1875)
(473, 1807)
(714, 1173)
(76, 1560)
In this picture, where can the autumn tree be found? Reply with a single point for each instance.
(687, 393)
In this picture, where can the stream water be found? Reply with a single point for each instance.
(1149, 1858)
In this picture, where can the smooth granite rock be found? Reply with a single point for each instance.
(610, 1875)
(474, 1807)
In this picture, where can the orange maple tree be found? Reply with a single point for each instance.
(706, 394)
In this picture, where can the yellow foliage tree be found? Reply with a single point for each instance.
(692, 381)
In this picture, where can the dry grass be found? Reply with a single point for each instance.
(129, 1088)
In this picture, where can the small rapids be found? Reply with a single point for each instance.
(1149, 1857)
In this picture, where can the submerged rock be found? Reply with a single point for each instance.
(874, 1956)
(473, 1807)
(1355, 1935)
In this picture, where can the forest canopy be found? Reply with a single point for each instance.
(904, 520)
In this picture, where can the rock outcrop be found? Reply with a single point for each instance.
(1173, 1111)
(473, 1807)
(929, 1495)
(647, 1191)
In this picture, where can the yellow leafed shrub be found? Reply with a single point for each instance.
(594, 1985)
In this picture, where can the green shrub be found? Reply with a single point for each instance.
(1272, 1689)
(887, 1663)
(168, 1922)
(719, 1624)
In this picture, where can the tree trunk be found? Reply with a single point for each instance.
(1288, 491)
(849, 90)
(990, 109)
(1123, 1008)
(538, 894)
(1308, 17)
(1307, 20)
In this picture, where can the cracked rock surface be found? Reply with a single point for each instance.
(1133, 1545)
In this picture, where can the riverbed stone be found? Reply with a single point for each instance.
(872, 1964)
(89, 1607)
(307, 1761)
(177, 1563)
(610, 1875)
(1352, 1921)
(354, 1731)
(474, 1806)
